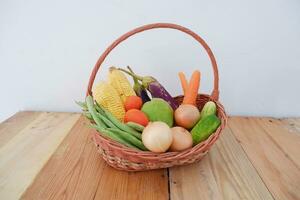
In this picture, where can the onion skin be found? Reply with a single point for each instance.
(182, 139)
(157, 137)
(187, 116)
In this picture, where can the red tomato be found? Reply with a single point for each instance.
(133, 102)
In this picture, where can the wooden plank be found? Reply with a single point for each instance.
(24, 155)
(225, 173)
(195, 181)
(292, 125)
(133, 185)
(12, 126)
(76, 171)
(279, 173)
(287, 141)
(72, 172)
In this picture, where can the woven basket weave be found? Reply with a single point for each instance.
(128, 159)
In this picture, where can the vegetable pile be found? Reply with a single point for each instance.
(127, 115)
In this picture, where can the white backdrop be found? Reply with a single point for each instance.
(48, 48)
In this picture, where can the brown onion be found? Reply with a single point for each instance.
(182, 139)
(187, 115)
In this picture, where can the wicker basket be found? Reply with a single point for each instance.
(124, 158)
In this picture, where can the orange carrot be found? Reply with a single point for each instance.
(184, 83)
(191, 94)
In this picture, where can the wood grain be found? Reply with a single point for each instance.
(12, 126)
(278, 171)
(133, 185)
(24, 155)
(225, 173)
(76, 171)
(287, 141)
(195, 181)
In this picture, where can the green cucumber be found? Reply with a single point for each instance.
(209, 108)
(204, 128)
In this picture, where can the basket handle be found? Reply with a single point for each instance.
(215, 92)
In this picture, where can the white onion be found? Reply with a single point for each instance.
(157, 137)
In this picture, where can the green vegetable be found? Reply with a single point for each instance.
(82, 105)
(99, 109)
(128, 137)
(158, 110)
(85, 110)
(110, 126)
(209, 108)
(113, 136)
(90, 105)
(136, 126)
(88, 115)
(107, 122)
(204, 128)
(103, 119)
(120, 125)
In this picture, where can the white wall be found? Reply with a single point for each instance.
(47, 50)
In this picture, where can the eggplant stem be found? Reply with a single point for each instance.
(131, 74)
(129, 68)
(135, 80)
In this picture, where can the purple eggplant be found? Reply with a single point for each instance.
(158, 91)
(144, 96)
(155, 88)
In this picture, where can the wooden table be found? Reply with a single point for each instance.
(45, 155)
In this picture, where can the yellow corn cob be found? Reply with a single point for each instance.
(108, 97)
(119, 81)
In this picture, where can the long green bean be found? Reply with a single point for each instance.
(82, 105)
(113, 136)
(90, 104)
(88, 115)
(118, 131)
(107, 121)
(128, 137)
(121, 125)
(99, 109)
(135, 126)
